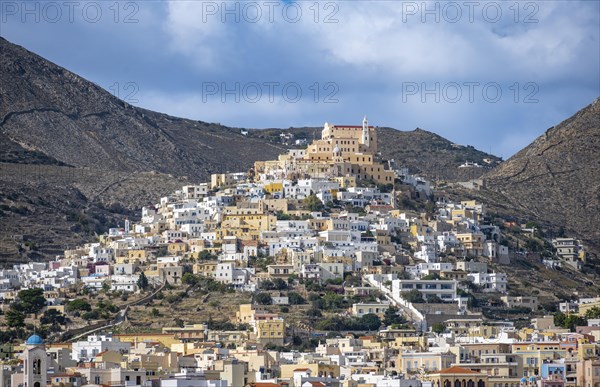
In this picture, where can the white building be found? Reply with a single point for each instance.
(362, 308)
(94, 344)
(194, 191)
(427, 253)
(490, 282)
(124, 283)
(443, 289)
(422, 269)
(229, 274)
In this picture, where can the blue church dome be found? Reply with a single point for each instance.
(532, 378)
(523, 380)
(34, 340)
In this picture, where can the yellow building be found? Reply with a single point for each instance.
(472, 243)
(191, 332)
(404, 339)
(246, 313)
(458, 275)
(485, 331)
(153, 363)
(255, 221)
(270, 331)
(109, 357)
(415, 362)
(166, 339)
(535, 354)
(177, 248)
(274, 187)
(274, 205)
(206, 269)
(460, 214)
(137, 255)
(346, 181)
(343, 151)
(587, 350)
(223, 179)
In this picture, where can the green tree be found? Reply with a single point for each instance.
(312, 203)
(334, 301)
(559, 319)
(78, 305)
(91, 315)
(267, 285)
(573, 321)
(391, 317)
(53, 317)
(291, 279)
(263, 299)
(370, 322)
(14, 318)
(295, 298)
(282, 216)
(593, 313)
(413, 296)
(334, 323)
(296, 340)
(205, 255)
(142, 281)
(189, 279)
(31, 300)
(438, 328)
(569, 321)
(433, 299)
(280, 284)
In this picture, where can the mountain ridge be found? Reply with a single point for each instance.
(45, 97)
(556, 178)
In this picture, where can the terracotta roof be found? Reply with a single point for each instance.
(318, 384)
(458, 370)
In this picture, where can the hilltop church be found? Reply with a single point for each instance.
(342, 151)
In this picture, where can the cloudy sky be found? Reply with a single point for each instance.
(492, 74)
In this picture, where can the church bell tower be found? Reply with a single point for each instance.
(365, 132)
(35, 370)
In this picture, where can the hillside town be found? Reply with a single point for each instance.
(328, 267)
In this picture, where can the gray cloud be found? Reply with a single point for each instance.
(390, 60)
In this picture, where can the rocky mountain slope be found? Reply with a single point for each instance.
(556, 179)
(48, 110)
(74, 159)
